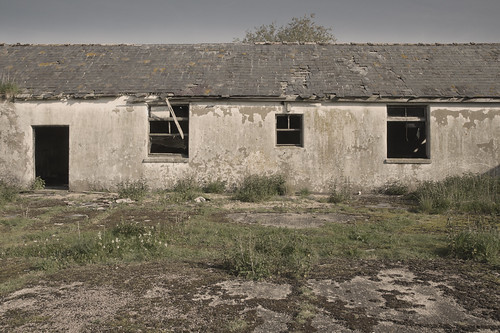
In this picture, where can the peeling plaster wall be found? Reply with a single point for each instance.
(229, 140)
(342, 143)
(107, 140)
(465, 139)
(14, 147)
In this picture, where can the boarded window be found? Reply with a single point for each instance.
(168, 132)
(289, 130)
(407, 135)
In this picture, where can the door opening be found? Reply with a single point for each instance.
(52, 155)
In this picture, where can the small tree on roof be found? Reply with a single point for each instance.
(300, 29)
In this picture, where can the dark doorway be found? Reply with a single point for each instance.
(52, 154)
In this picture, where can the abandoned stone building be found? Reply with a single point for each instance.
(92, 116)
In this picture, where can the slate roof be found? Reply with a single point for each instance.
(265, 71)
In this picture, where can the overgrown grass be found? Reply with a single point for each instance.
(478, 241)
(478, 194)
(215, 186)
(126, 241)
(304, 192)
(38, 184)
(256, 188)
(8, 192)
(271, 252)
(186, 189)
(8, 88)
(201, 233)
(340, 192)
(394, 188)
(135, 190)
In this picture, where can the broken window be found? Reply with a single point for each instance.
(289, 130)
(169, 129)
(407, 131)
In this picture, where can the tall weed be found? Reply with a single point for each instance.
(215, 186)
(270, 253)
(186, 189)
(257, 188)
(135, 190)
(125, 241)
(8, 192)
(340, 191)
(478, 194)
(478, 241)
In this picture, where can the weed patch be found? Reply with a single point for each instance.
(135, 190)
(8, 193)
(340, 192)
(478, 241)
(304, 192)
(184, 190)
(38, 184)
(477, 194)
(126, 241)
(270, 253)
(394, 188)
(8, 88)
(215, 186)
(257, 188)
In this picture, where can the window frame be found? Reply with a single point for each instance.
(160, 113)
(412, 119)
(288, 129)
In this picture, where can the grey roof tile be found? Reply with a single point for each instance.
(213, 70)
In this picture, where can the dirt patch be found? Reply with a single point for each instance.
(66, 308)
(374, 296)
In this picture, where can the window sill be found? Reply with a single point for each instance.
(407, 161)
(166, 159)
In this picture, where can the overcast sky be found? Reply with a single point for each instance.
(213, 21)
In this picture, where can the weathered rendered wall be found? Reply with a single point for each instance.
(228, 140)
(106, 138)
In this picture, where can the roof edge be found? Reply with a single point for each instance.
(144, 97)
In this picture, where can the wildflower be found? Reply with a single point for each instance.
(99, 235)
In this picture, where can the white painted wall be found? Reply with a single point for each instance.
(229, 140)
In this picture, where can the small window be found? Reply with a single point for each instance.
(289, 130)
(168, 131)
(407, 135)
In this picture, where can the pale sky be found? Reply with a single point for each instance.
(216, 21)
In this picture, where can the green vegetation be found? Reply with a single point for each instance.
(125, 241)
(478, 241)
(477, 194)
(135, 190)
(186, 189)
(8, 88)
(269, 253)
(40, 234)
(304, 192)
(395, 188)
(8, 192)
(38, 184)
(300, 29)
(257, 188)
(215, 186)
(340, 192)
